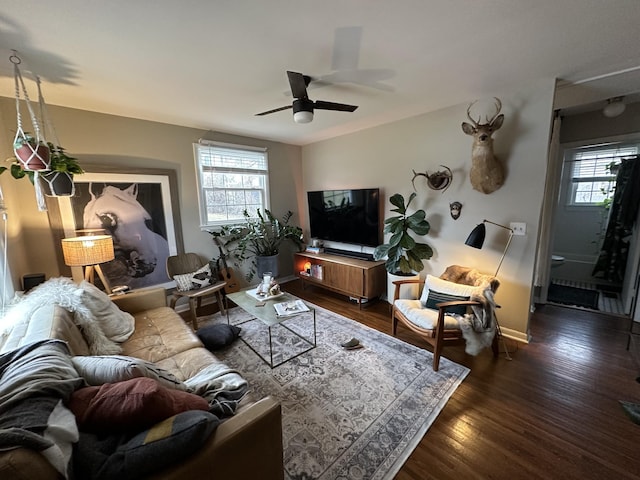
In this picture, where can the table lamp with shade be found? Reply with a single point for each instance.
(89, 251)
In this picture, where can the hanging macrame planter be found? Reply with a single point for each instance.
(56, 183)
(47, 165)
(32, 151)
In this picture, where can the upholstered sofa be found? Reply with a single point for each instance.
(245, 445)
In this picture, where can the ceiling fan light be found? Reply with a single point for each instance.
(614, 107)
(302, 116)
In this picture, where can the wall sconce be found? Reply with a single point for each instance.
(89, 251)
(614, 107)
(476, 239)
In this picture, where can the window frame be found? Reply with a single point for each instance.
(205, 223)
(611, 153)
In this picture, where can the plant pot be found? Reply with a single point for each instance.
(56, 184)
(267, 264)
(33, 158)
(406, 291)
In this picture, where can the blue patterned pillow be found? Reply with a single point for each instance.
(438, 297)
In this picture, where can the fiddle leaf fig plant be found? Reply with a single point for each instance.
(403, 254)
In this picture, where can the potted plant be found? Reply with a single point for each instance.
(403, 254)
(58, 180)
(259, 239)
(31, 153)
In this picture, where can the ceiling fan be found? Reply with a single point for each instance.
(302, 106)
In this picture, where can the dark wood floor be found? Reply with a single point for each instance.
(552, 412)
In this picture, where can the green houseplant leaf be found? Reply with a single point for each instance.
(403, 254)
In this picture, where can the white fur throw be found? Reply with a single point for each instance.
(65, 293)
(479, 328)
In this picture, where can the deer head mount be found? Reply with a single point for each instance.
(487, 174)
(439, 180)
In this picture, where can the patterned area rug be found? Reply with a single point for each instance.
(347, 414)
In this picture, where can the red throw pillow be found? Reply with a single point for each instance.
(129, 406)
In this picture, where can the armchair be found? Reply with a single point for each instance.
(459, 290)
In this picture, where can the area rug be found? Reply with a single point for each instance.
(346, 413)
(566, 295)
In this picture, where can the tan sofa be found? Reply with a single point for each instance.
(247, 445)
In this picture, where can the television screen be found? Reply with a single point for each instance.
(348, 216)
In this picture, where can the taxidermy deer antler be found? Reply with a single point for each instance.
(486, 174)
(439, 180)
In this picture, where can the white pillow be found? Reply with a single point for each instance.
(444, 286)
(117, 325)
(98, 370)
(194, 280)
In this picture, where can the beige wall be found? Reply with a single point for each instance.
(124, 142)
(379, 157)
(385, 157)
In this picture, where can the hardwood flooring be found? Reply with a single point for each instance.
(552, 412)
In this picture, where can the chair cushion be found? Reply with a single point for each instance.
(424, 317)
(203, 277)
(444, 287)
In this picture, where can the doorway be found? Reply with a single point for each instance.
(581, 231)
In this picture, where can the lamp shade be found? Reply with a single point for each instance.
(476, 237)
(87, 250)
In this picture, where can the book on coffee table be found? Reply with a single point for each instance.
(285, 309)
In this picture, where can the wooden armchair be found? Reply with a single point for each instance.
(430, 316)
(184, 265)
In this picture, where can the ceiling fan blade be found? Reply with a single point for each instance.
(298, 83)
(342, 107)
(274, 110)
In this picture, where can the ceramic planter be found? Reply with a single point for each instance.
(406, 291)
(56, 184)
(33, 158)
(267, 264)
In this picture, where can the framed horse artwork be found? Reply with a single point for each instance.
(139, 210)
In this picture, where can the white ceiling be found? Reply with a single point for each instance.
(214, 64)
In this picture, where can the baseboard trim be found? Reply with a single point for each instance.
(515, 335)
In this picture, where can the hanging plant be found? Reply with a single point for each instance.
(58, 181)
(46, 164)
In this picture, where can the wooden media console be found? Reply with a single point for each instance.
(360, 279)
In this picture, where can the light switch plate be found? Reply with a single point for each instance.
(519, 228)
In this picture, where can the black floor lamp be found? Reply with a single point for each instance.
(476, 240)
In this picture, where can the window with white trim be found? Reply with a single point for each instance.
(593, 177)
(231, 179)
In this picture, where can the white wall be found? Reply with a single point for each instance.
(385, 157)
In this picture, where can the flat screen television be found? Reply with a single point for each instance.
(347, 216)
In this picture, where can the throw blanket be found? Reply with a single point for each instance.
(479, 328)
(35, 381)
(221, 386)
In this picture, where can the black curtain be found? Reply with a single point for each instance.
(612, 260)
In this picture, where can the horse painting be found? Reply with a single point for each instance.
(140, 253)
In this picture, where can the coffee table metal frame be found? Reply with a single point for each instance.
(267, 315)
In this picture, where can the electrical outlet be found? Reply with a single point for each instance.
(519, 228)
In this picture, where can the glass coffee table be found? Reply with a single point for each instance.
(265, 312)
